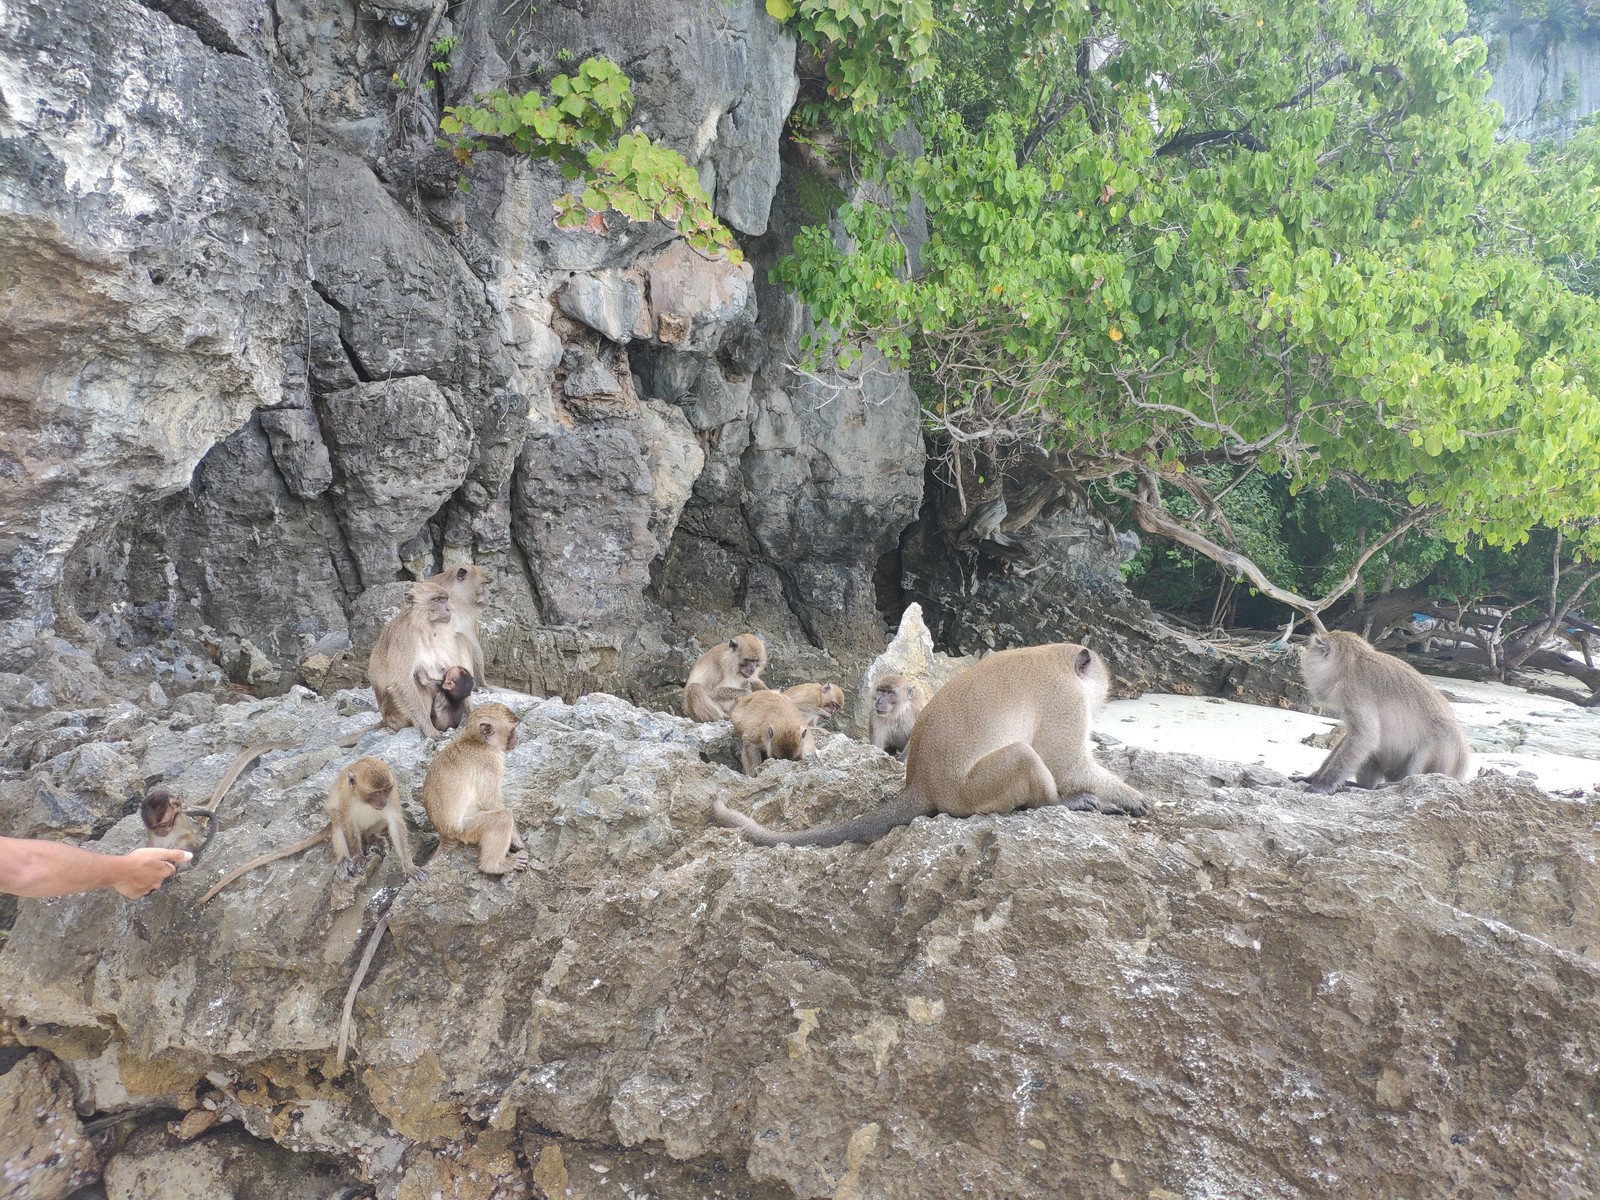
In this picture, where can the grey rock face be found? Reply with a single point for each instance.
(1241, 989)
(44, 1153)
(144, 225)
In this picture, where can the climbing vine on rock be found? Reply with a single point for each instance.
(580, 127)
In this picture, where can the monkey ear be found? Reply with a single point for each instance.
(461, 573)
(771, 733)
(733, 643)
(1085, 661)
(485, 728)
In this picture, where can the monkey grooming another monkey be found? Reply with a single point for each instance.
(450, 695)
(361, 801)
(896, 702)
(721, 675)
(168, 824)
(817, 702)
(415, 648)
(1395, 722)
(462, 790)
(468, 585)
(770, 725)
(1011, 732)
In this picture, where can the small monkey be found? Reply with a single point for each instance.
(770, 725)
(417, 646)
(168, 824)
(468, 585)
(1012, 732)
(462, 790)
(361, 801)
(722, 674)
(817, 702)
(450, 696)
(1395, 722)
(896, 702)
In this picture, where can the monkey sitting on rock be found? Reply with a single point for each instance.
(1395, 722)
(897, 701)
(722, 675)
(1010, 733)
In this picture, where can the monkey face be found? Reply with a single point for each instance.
(159, 811)
(884, 699)
(748, 667)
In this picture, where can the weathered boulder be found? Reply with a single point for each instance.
(1254, 991)
(44, 1152)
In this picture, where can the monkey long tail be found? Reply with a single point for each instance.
(378, 931)
(244, 758)
(350, 739)
(302, 844)
(868, 827)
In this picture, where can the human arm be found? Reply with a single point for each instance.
(32, 867)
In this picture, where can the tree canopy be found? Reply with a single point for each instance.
(1172, 245)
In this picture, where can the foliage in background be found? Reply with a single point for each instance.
(579, 128)
(1263, 236)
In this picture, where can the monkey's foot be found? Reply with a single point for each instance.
(351, 869)
(1080, 802)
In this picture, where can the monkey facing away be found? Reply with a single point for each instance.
(770, 725)
(1395, 722)
(817, 702)
(411, 656)
(450, 695)
(468, 585)
(461, 791)
(722, 674)
(168, 824)
(1011, 732)
(361, 801)
(897, 700)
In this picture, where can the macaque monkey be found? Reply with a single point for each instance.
(896, 702)
(1010, 733)
(1395, 722)
(817, 702)
(722, 674)
(362, 800)
(412, 653)
(450, 696)
(462, 790)
(770, 725)
(468, 586)
(168, 824)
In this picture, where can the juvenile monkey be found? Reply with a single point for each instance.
(168, 824)
(462, 790)
(416, 647)
(361, 801)
(468, 585)
(1011, 732)
(896, 702)
(770, 725)
(722, 674)
(450, 696)
(1395, 722)
(817, 702)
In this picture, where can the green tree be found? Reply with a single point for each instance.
(1260, 236)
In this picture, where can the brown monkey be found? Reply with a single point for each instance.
(896, 702)
(417, 646)
(462, 790)
(168, 824)
(468, 585)
(722, 674)
(1011, 732)
(450, 696)
(1395, 722)
(818, 702)
(361, 801)
(770, 725)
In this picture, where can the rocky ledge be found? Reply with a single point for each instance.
(1254, 992)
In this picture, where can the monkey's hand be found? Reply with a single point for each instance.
(416, 874)
(519, 861)
(1313, 785)
(352, 868)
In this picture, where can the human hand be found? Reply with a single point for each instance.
(143, 871)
